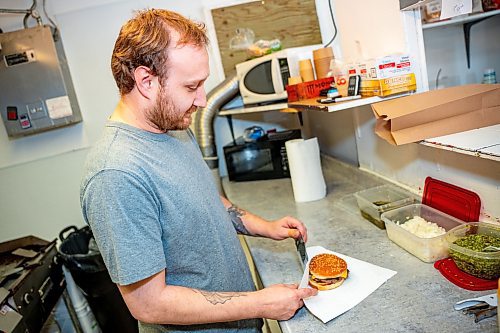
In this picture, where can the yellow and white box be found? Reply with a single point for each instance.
(386, 67)
(388, 86)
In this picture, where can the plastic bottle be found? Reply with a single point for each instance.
(489, 76)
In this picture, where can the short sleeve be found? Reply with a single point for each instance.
(124, 218)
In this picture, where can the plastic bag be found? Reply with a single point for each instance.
(263, 47)
(244, 40)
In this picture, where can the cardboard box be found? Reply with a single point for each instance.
(385, 67)
(437, 112)
(389, 86)
(306, 90)
(352, 68)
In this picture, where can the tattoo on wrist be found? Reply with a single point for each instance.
(235, 214)
(219, 297)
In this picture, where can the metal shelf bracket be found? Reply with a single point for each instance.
(467, 26)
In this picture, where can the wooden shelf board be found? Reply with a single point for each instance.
(460, 19)
(312, 105)
(254, 109)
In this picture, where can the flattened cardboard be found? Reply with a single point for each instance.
(438, 112)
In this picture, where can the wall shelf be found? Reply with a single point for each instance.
(461, 19)
(298, 107)
(312, 105)
(243, 110)
(482, 142)
(253, 109)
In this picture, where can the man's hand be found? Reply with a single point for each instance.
(152, 301)
(249, 224)
(287, 227)
(281, 301)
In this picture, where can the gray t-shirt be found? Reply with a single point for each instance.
(152, 205)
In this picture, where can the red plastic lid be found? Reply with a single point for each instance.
(452, 200)
(450, 271)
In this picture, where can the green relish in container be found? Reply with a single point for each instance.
(467, 248)
(478, 242)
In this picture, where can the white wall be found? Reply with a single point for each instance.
(42, 197)
(450, 57)
(335, 133)
(369, 29)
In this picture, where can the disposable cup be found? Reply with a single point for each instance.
(322, 58)
(306, 70)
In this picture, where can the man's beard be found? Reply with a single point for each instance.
(165, 116)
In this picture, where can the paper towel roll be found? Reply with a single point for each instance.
(305, 169)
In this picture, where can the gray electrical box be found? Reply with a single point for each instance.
(36, 91)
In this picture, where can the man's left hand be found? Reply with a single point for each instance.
(287, 227)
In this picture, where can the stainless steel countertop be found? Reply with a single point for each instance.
(417, 299)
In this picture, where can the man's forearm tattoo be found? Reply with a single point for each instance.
(235, 214)
(219, 297)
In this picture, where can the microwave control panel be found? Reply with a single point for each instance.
(284, 70)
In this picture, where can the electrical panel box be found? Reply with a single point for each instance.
(36, 91)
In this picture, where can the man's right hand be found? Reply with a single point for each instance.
(281, 301)
(152, 301)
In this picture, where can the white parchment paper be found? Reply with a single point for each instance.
(364, 278)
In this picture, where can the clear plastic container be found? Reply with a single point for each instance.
(485, 265)
(425, 249)
(377, 200)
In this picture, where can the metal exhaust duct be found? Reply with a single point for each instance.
(204, 119)
(204, 122)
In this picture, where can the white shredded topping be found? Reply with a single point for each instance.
(422, 228)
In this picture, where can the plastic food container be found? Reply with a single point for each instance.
(485, 265)
(451, 199)
(377, 200)
(425, 249)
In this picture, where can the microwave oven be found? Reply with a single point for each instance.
(264, 79)
(262, 159)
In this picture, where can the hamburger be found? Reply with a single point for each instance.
(327, 271)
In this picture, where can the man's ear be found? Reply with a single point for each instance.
(146, 82)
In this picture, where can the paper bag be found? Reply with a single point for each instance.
(437, 113)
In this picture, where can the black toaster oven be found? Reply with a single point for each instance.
(262, 159)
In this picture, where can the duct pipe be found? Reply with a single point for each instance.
(204, 120)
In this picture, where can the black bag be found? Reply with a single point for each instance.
(81, 257)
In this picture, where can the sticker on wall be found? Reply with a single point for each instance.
(59, 107)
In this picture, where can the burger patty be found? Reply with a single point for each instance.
(326, 282)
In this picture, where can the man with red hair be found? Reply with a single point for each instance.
(168, 239)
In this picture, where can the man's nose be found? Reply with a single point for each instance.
(201, 98)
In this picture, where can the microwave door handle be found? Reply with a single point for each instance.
(276, 76)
